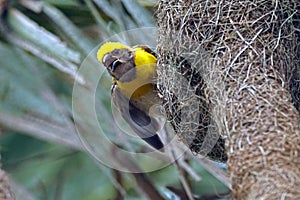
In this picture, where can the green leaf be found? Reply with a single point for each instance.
(68, 28)
(141, 15)
(31, 31)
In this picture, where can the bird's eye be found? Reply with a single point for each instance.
(116, 51)
(129, 54)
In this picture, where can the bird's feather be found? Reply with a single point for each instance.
(140, 121)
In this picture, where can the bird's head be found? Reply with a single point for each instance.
(118, 60)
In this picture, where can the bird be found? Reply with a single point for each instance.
(134, 91)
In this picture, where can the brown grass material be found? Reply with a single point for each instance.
(182, 84)
(240, 62)
(5, 189)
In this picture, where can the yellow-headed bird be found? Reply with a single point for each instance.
(133, 72)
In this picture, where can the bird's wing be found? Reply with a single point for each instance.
(144, 125)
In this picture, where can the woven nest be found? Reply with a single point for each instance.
(181, 66)
(187, 105)
(231, 70)
(5, 188)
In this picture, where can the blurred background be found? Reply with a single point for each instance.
(42, 45)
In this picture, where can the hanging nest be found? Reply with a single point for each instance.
(230, 71)
(181, 67)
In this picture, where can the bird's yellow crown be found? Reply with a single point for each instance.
(109, 47)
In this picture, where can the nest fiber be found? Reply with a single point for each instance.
(229, 71)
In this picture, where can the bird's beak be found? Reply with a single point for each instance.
(115, 64)
(111, 62)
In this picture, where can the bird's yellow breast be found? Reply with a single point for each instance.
(145, 75)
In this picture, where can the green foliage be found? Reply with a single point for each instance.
(41, 51)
